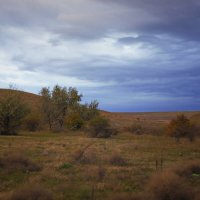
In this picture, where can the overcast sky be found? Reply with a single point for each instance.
(130, 55)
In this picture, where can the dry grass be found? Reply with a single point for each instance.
(101, 173)
(121, 120)
(54, 152)
(126, 197)
(18, 162)
(31, 193)
(84, 155)
(188, 170)
(117, 160)
(32, 100)
(168, 185)
(76, 167)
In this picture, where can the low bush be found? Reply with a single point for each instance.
(195, 121)
(12, 112)
(84, 157)
(31, 193)
(117, 160)
(99, 127)
(78, 155)
(65, 166)
(18, 162)
(188, 170)
(181, 127)
(32, 122)
(168, 186)
(136, 128)
(101, 173)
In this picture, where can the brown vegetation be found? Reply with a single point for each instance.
(79, 167)
(74, 121)
(117, 160)
(32, 122)
(188, 169)
(12, 112)
(168, 185)
(32, 100)
(31, 192)
(99, 127)
(181, 127)
(12, 162)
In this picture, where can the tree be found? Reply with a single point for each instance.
(12, 112)
(89, 111)
(57, 104)
(47, 106)
(181, 127)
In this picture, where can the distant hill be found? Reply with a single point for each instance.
(31, 99)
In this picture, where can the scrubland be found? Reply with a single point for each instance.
(72, 166)
(95, 155)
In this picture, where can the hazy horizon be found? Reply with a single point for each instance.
(130, 55)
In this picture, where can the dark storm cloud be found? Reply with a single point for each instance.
(92, 19)
(180, 18)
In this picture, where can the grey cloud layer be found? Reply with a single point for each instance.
(144, 48)
(90, 19)
(178, 17)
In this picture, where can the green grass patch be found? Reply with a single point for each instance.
(65, 166)
(11, 179)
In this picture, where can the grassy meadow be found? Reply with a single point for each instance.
(73, 166)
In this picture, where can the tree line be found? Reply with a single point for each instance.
(59, 109)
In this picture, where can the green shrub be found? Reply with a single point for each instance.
(99, 127)
(32, 122)
(65, 166)
(89, 111)
(74, 121)
(12, 112)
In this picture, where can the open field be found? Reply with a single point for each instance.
(69, 165)
(77, 167)
(99, 100)
(121, 120)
